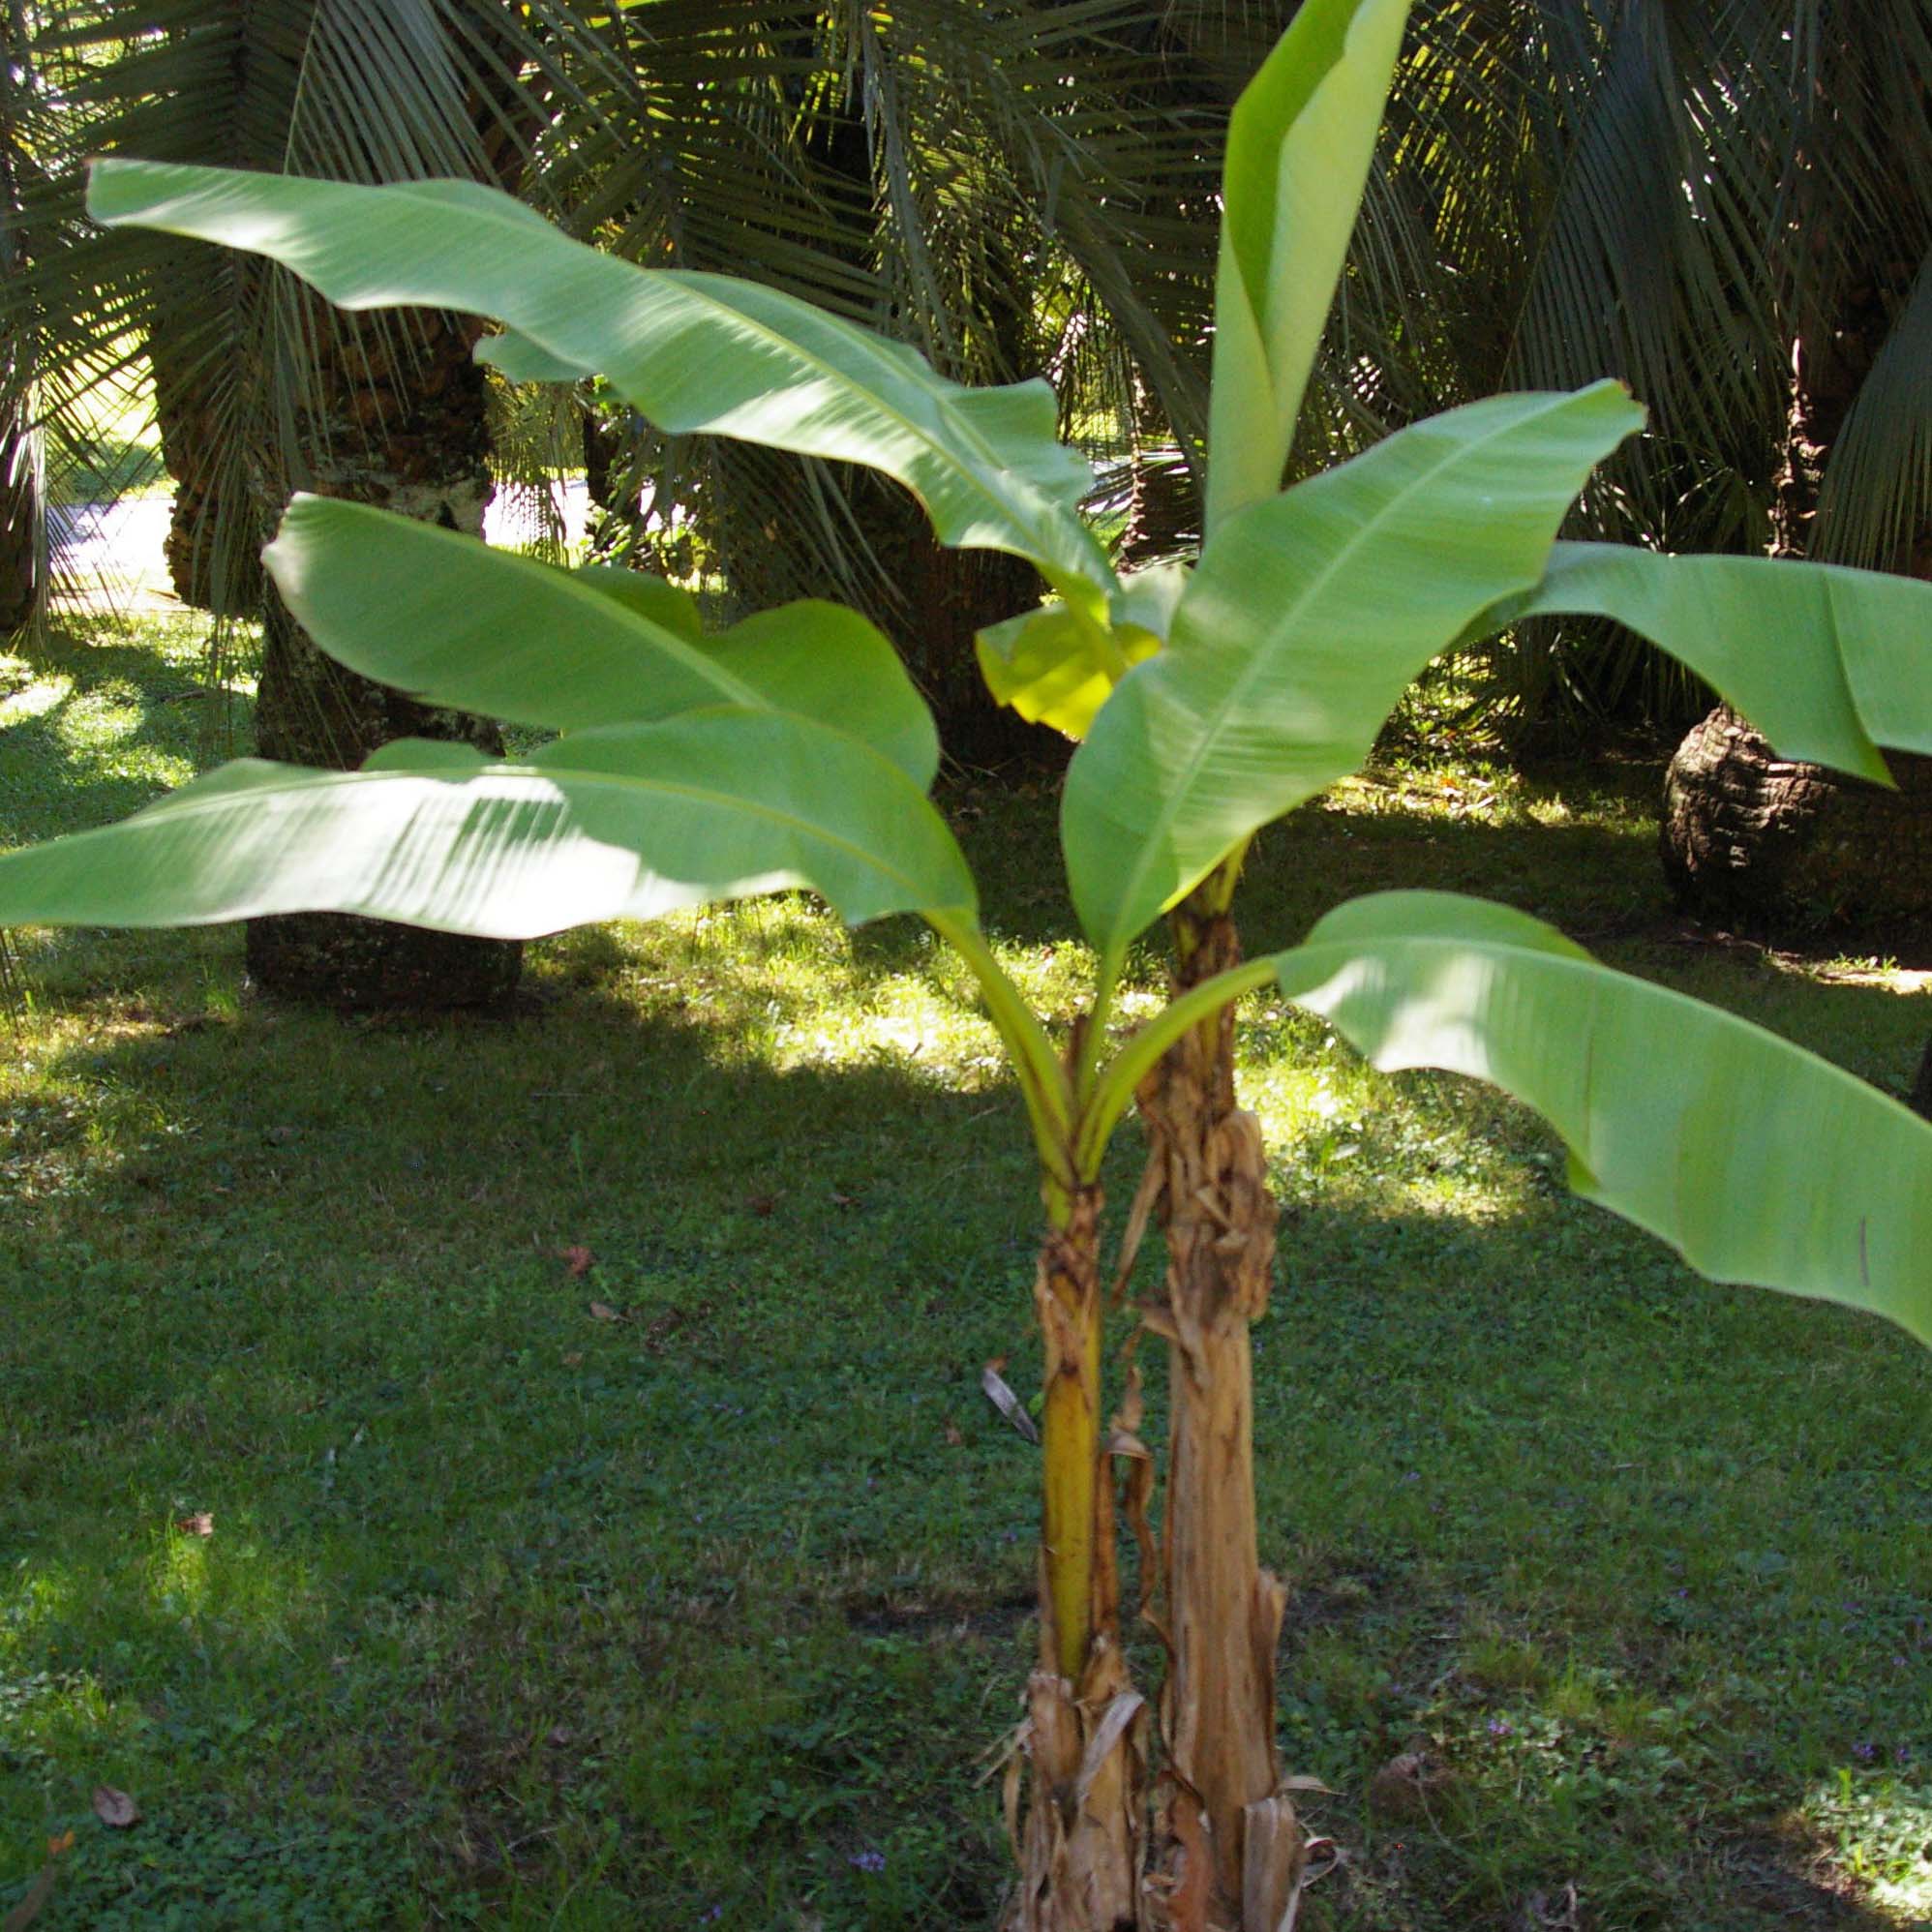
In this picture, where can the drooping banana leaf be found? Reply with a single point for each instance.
(1759, 1161)
(1299, 143)
(1828, 663)
(458, 622)
(1309, 617)
(692, 352)
(616, 822)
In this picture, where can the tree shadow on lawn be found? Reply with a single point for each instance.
(1595, 875)
(599, 1600)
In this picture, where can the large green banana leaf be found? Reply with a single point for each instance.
(455, 621)
(1299, 143)
(621, 820)
(690, 352)
(1309, 617)
(1759, 1161)
(1828, 663)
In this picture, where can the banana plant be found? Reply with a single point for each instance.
(791, 750)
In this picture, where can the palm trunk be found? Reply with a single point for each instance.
(396, 417)
(1778, 844)
(213, 554)
(400, 422)
(1085, 1735)
(20, 528)
(1229, 1848)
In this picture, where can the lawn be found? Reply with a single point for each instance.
(532, 1471)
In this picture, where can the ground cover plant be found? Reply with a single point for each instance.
(791, 750)
(1632, 1562)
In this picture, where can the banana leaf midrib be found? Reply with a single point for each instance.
(190, 808)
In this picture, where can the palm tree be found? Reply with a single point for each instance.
(1745, 831)
(1568, 189)
(975, 180)
(260, 390)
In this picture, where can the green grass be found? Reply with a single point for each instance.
(515, 1615)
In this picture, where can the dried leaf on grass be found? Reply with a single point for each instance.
(116, 1808)
(604, 1312)
(200, 1523)
(578, 1261)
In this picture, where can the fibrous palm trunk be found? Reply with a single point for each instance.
(20, 529)
(397, 420)
(1229, 1849)
(20, 525)
(213, 564)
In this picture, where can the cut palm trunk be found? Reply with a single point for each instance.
(1229, 1848)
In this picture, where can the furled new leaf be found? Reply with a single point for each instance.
(1055, 666)
(1307, 617)
(1298, 150)
(690, 352)
(1759, 1161)
(1828, 663)
(458, 622)
(618, 821)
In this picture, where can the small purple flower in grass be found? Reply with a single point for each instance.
(868, 1861)
(1865, 1753)
(1502, 1727)
(715, 1912)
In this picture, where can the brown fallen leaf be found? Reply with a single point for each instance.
(604, 1312)
(578, 1260)
(760, 1204)
(116, 1808)
(574, 1360)
(953, 1438)
(200, 1523)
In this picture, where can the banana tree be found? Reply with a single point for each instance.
(791, 750)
